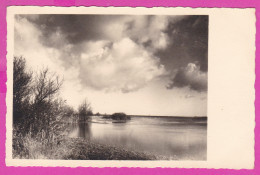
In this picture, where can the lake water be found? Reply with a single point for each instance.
(174, 138)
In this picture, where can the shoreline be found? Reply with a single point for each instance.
(88, 150)
(78, 149)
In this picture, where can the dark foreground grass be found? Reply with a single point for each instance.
(74, 149)
(82, 149)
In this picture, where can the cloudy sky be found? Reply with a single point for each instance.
(150, 65)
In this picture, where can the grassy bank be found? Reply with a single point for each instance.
(75, 149)
(86, 150)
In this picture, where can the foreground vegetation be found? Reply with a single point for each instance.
(40, 117)
(79, 149)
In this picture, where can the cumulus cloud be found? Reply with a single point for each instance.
(109, 52)
(123, 66)
(110, 65)
(191, 76)
(149, 31)
(122, 52)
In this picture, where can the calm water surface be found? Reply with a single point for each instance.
(169, 137)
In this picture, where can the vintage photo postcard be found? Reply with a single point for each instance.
(130, 87)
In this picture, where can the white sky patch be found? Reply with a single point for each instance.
(39, 57)
(27, 45)
(150, 100)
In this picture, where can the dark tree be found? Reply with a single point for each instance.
(84, 111)
(46, 105)
(22, 83)
(36, 106)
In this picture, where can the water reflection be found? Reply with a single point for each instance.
(177, 139)
(84, 130)
(81, 129)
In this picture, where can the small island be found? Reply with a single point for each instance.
(119, 117)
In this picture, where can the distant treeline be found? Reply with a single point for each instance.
(178, 118)
(167, 116)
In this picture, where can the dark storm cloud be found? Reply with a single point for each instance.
(187, 53)
(188, 43)
(190, 77)
(69, 33)
(74, 28)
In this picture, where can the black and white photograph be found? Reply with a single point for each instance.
(110, 87)
(161, 87)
